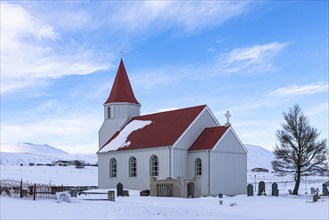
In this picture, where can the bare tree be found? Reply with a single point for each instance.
(299, 152)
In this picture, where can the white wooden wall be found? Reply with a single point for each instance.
(121, 113)
(108, 129)
(204, 156)
(203, 121)
(122, 110)
(179, 151)
(228, 167)
(142, 181)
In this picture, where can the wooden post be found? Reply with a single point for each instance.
(34, 190)
(21, 189)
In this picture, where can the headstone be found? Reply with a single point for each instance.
(275, 190)
(63, 196)
(125, 193)
(220, 199)
(111, 195)
(325, 191)
(312, 190)
(261, 188)
(74, 193)
(119, 189)
(250, 190)
(316, 197)
(144, 192)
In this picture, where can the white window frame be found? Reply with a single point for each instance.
(198, 167)
(113, 168)
(132, 167)
(154, 166)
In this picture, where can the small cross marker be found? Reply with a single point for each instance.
(227, 115)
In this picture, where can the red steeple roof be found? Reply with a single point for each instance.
(121, 89)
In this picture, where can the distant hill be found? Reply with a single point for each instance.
(259, 157)
(30, 148)
(25, 153)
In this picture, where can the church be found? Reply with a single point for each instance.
(184, 143)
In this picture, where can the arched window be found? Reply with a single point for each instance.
(113, 168)
(154, 166)
(109, 112)
(132, 167)
(198, 167)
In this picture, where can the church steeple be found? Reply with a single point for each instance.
(121, 89)
(120, 106)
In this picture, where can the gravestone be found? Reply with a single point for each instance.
(63, 196)
(119, 189)
(74, 193)
(220, 198)
(250, 190)
(125, 193)
(325, 191)
(275, 190)
(144, 193)
(111, 195)
(261, 188)
(312, 190)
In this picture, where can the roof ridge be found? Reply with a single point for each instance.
(168, 111)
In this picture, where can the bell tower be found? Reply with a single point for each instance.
(120, 106)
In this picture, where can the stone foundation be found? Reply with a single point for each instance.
(179, 187)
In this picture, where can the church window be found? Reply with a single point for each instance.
(198, 167)
(154, 166)
(108, 112)
(132, 167)
(113, 168)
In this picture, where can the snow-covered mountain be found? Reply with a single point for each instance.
(25, 153)
(30, 148)
(259, 157)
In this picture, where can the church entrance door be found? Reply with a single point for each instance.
(190, 190)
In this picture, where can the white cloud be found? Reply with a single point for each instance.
(187, 15)
(29, 55)
(254, 59)
(318, 109)
(300, 90)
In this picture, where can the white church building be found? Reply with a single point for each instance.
(186, 143)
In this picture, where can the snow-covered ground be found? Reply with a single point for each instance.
(135, 207)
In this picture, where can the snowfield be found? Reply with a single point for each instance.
(135, 207)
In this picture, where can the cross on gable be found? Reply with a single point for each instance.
(227, 115)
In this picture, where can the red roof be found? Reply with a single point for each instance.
(121, 89)
(165, 129)
(208, 138)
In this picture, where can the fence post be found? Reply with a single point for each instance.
(34, 190)
(21, 189)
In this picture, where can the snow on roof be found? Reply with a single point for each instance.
(120, 141)
(165, 129)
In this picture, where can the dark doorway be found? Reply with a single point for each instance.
(190, 190)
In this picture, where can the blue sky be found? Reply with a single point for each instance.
(254, 58)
